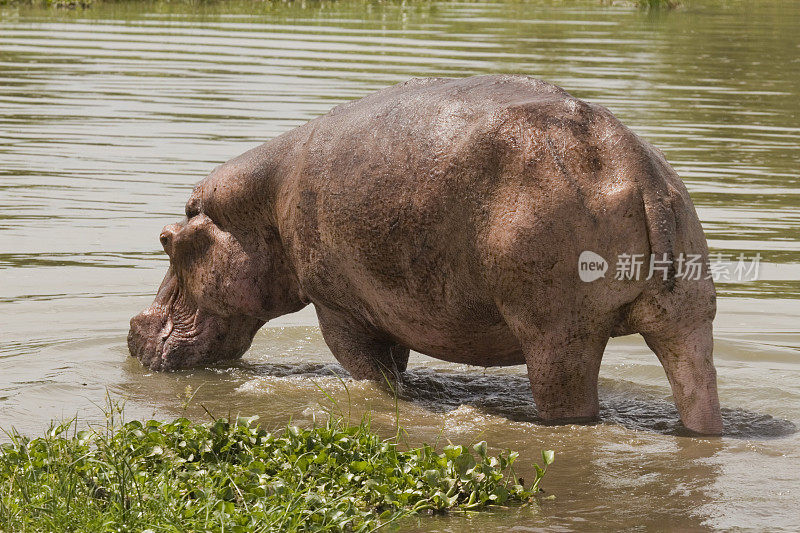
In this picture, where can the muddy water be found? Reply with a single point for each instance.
(109, 115)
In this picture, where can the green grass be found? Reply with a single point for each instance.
(235, 476)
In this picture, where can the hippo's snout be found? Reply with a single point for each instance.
(146, 338)
(173, 333)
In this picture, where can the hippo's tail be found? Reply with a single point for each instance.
(659, 214)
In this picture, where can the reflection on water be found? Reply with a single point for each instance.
(109, 115)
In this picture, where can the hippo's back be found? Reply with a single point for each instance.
(417, 206)
(436, 114)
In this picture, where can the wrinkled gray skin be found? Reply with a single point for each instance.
(445, 216)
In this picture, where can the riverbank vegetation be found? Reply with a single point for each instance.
(233, 475)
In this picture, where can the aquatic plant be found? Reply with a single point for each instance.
(236, 476)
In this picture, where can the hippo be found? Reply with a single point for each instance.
(451, 217)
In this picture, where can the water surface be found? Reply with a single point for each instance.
(109, 115)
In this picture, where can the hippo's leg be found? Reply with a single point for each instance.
(677, 326)
(686, 355)
(364, 353)
(563, 365)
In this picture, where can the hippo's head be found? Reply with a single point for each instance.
(228, 275)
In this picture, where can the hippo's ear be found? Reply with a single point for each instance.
(194, 205)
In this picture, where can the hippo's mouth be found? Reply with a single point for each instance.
(166, 336)
(174, 333)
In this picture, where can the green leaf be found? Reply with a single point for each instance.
(480, 449)
(155, 450)
(451, 452)
(548, 456)
(463, 463)
(359, 466)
